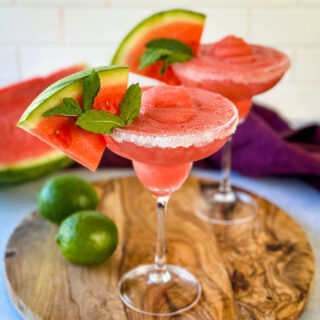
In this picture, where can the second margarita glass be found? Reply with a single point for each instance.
(238, 71)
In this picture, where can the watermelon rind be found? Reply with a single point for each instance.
(32, 168)
(36, 166)
(70, 86)
(159, 18)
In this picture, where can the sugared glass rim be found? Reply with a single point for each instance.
(251, 75)
(196, 139)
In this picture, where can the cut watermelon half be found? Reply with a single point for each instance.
(183, 25)
(60, 131)
(22, 156)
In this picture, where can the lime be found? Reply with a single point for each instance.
(87, 237)
(63, 195)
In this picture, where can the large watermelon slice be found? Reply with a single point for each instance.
(60, 131)
(183, 25)
(22, 156)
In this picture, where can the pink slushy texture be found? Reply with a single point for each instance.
(162, 180)
(210, 110)
(175, 127)
(157, 137)
(235, 69)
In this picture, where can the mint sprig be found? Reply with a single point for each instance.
(168, 51)
(91, 87)
(130, 104)
(152, 55)
(69, 107)
(98, 121)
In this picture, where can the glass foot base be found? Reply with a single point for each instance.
(226, 209)
(159, 293)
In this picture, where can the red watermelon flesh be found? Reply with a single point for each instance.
(15, 144)
(61, 132)
(109, 99)
(83, 146)
(179, 24)
(186, 32)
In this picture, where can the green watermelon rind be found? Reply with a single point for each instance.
(69, 86)
(33, 168)
(157, 19)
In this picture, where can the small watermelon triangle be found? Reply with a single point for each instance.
(183, 25)
(60, 131)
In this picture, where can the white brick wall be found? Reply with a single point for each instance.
(285, 26)
(294, 101)
(221, 22)
(52, 57)
(29, 25)
(107, 26)
(308, 65)
(309, 1)
(8, 64)
(38, 36)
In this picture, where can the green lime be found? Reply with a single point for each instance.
(63, 195)
(87, 237)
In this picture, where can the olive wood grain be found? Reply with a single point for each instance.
(262, 269)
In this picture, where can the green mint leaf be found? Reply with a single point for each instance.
(73, 104)
(172, 45)
(173, 58)
(91, 87)
(99, 121)
(164, 66)
(167, 50)
(69, 107)
(130, 104)
(178, 57)
(151, 56)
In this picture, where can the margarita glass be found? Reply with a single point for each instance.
(175, 127)
(238, 71)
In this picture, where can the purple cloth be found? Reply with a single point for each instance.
(264, 145)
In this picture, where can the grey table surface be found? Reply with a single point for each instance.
(300, 200)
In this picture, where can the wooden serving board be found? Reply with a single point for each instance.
(262, 269)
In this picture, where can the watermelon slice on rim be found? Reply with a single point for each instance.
(183, 25)
(22, 156)
(60, 131)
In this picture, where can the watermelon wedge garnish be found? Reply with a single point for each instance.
(23, 157)
(60, 131)
(182, 25)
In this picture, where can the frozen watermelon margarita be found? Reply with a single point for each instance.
(166, 46)
(175, 127)
(238, 71)
(235, 69)
(162, 129)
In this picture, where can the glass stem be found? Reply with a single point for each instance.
(225, 184)
(160, 256)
